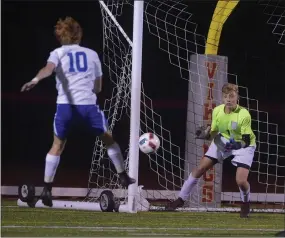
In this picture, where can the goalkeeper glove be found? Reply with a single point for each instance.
(203, 133)
(232, 145)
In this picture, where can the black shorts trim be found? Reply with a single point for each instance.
(243, 165)
(215, 161)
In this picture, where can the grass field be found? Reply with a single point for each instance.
(50, 222)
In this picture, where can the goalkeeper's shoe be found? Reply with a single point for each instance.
(46, 197)
(125, 180)
(244, 210)
(179, 202)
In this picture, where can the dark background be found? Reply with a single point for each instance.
(27, 118)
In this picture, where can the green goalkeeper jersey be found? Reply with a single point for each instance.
(234, 125)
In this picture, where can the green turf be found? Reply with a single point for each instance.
(51, 222)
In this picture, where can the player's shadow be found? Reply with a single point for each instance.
(64, 82)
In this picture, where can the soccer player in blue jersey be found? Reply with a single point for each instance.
(78, 80)
(231, 136)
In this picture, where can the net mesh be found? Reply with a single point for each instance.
(170, 22)
(275, 11)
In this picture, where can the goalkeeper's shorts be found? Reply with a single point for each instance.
(241, 158)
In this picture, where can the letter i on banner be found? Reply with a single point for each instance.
(207, 76)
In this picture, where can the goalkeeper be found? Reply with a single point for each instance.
(231, 136)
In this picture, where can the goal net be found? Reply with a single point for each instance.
(275, 12)
(168, 27)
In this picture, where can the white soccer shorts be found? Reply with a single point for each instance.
(243, 156)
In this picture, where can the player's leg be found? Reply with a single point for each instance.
(53, 158)
(113, 151)
(207, 162)
(52, 162)
(62, 121)
(243, 159)
(115, 154)
(98, 123)
(244, 187)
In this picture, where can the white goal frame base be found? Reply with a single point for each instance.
(72, 205)
(93, 206)
(230, 197)
(143, 195)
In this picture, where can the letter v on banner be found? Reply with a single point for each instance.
(207, 75)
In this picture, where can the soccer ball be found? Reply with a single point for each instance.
(149, 143)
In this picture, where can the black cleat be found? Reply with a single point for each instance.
(125, 180)
(46, 197)
(179, 202)
(244, 210)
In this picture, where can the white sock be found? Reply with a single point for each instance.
(52, 162)
(115, 154)
(187, 187)
(245, 196)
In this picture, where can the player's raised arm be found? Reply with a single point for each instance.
(98, 85)
(98, 74)
(246, 130)
(214, 128)
(43, 73)
(209, 132)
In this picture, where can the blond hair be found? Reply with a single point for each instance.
(229, 87)
(68, 31)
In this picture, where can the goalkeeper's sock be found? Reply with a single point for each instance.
(187, 187)
(52, 162)
(115, 154)
(245, 196)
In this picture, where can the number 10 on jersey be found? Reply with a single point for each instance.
(77, 62)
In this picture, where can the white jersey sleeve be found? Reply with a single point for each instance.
(53, 58)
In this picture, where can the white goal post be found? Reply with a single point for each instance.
(135, 103)
(170, 24)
